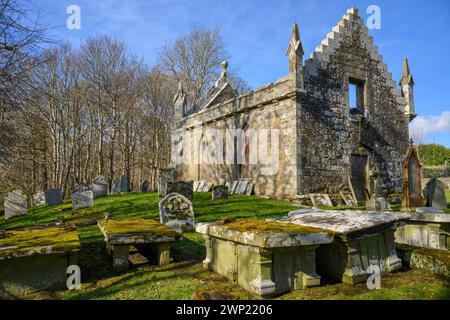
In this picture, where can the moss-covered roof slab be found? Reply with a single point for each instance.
(27, 242)
(136, 231)
(343, 222)
(265, 234)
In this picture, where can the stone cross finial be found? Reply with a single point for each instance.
(295, 53)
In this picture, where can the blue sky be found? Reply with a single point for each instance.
(256, 35)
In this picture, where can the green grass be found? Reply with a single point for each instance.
(145, 205)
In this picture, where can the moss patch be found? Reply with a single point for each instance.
(137, 226)
(269, 227)
(34, 241)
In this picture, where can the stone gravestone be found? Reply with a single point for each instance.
(348, 198)
(165, 175)
(412, 185)
(320, 200)
(39, 199)
(15, 204)
(100, 186)
(207, 186)
(219, 192)
(53, 197)
(82, 197)
(241, 187)
(145, 186)
(434, 193)
(234, 185)
(377, 201)
(176, 212)
(195, 186)
(120, 184)
(249, 189)
(184, 188)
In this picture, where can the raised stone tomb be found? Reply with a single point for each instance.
(147, 235)
(265, 258)
(15, 204)
(37, 258)
(361, 239)
(425, 230)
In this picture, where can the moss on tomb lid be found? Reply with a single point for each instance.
(263, 226)
(136, 226)
(17, 243)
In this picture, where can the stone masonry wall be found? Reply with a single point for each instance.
(328, 134)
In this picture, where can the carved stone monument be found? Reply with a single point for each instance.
(53, 197)
(176, 212)
(434, 193)
(412, 185)
(82, 197)
(120, 184)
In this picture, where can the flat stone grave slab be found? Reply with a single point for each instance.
(37, 258)
(320, 200)
(265, 258)
(145, 235)
(362, 239)
(425, 230)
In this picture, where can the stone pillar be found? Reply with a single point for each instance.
(208, 260)
(120, 257)
(307, 276)
(263, 284)
(163, 253)
(354, 272)
(393, 262)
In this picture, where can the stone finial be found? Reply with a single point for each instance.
(179, 101)
(407, 90)
(295, 53)
(407, 78)
(295, 43)
(224, 66)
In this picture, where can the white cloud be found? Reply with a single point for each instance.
(423, 126)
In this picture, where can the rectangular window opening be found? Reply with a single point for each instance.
(356, 96)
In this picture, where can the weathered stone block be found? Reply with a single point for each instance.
(15, 204)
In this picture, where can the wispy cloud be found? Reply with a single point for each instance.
(423, 127)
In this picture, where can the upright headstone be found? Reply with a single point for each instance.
(412, 182)
(100, 186)
(434, 193)
(207, 186)
(219, 192)
(234, 185)
(184, 188)
(39, 199)
(165, 175)
(249, 190)
(241, 187)
(176, 212)
(377, 201)
(320, 200)
(53, 197)
(145, 186)
(15, 204)
(82, 197)
(195, 185)
(120, 184)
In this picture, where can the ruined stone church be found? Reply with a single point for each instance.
(325, 143)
